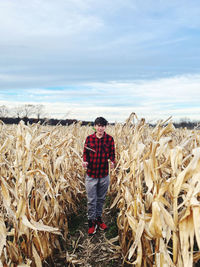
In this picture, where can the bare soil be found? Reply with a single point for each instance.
(88, 251)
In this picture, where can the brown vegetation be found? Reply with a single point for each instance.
(154, 194)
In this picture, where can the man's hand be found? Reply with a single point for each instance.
(85, 164)
(112, 165)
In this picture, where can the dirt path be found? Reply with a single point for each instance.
(89, 251)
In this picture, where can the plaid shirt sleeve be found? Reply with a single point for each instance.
(85, 150)
(96, 153)
(112, 150)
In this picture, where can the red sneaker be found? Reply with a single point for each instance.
(102, 226)
(92, 227)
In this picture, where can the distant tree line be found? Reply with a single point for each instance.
(36, 113)
(31, 114)
(23, 111)
(187, 124)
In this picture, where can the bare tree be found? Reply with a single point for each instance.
(17, 112)
(3, 111)
(23, 111)
(28, 110)
(40, 111)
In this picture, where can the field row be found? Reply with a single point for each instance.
(154, 188)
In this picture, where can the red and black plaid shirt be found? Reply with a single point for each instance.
(96, 152)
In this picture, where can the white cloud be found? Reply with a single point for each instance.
(152, 99)
(88, 56)
(96, 40)
(43, 26)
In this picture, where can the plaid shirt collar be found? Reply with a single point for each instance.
(95, 136)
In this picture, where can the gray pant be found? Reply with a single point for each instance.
(96, 189)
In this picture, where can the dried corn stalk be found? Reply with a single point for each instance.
(155, 187)
(41, 182)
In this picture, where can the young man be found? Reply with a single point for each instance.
(98, 148)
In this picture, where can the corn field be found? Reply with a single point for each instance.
(155, 188)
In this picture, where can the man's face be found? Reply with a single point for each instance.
(100, 129)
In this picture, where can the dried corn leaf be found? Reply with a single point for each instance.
(3, 235)
(36, 256)
(155, 225)
(39, 226)
(139, 231)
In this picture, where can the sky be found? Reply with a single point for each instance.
(87, 58)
